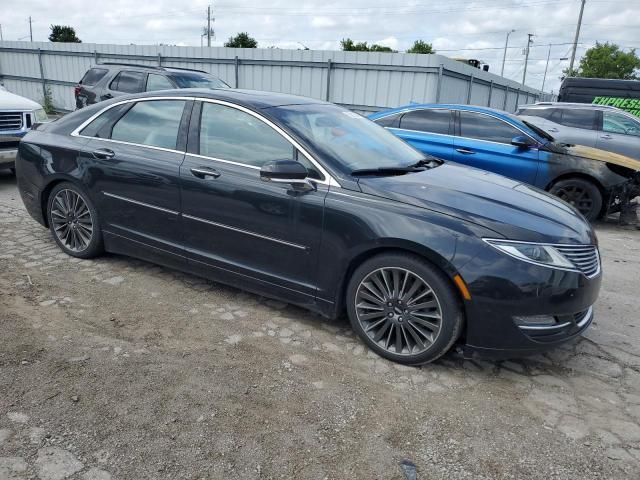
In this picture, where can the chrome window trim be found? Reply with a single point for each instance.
(137, 202)
(246, 232)
(328, 180)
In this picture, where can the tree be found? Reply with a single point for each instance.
(421, 47)
(63, 33)
(242, 40)
(348, 45)
(607, 60)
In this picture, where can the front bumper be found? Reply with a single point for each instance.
(509, 297)
(8, 157)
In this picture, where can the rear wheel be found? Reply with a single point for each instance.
(73, 221)
(582, 194)
(403, 308)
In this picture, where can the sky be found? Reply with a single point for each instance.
(456, 28)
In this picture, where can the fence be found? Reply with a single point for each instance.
(362, 81)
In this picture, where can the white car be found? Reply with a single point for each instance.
(17, 114)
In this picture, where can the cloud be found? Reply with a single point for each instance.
(323, 22)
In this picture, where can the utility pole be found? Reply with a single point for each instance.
(1, 39)
(504, 57)
(526, 58)
(575, 40)
(209, 26)
(30, 30)
(544, 79)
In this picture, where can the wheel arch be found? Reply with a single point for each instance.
(394, 246)
(577, 174)
(48, 188)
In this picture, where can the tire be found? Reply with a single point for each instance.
(405, 339)
(74, 221)
(582, 194)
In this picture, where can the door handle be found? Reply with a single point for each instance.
(106, 96)
(104, 153)
(554, 130)
(465, 151)
(204, 172)
(606, 137)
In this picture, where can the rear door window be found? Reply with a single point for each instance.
(101, 126)
(93, 76)
(430, 121)
(615, 123)
(128, 82)
(579, 118)
(154, 123)
(485, 127)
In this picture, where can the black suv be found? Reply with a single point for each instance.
(108, 80)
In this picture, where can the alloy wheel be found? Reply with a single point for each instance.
(398, 310)
(72, 222)
(576, 196)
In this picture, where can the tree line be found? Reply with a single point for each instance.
(604, 60)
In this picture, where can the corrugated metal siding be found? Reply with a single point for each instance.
(363, 81)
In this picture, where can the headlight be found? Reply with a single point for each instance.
(535, 253)
(41, 115)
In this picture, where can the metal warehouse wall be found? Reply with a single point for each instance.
(362, 81)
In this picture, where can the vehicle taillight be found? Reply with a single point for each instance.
(76, 90)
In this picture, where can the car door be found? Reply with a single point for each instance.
(484, 142)
(258, 235)
(619, 133)
(428, 130)
(125, 82)
(576, 126)
(136, 150)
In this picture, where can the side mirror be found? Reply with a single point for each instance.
(522, 142)
(285, 171)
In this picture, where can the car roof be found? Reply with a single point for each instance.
(254, 99)
(566, 105)
(453, 106)
(117, 65)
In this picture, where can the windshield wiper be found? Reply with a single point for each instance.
(386, 171)
(420, 166)
(428, 162)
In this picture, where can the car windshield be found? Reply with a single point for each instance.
(346, 138)
(197, 80)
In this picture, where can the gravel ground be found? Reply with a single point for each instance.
(118, 369)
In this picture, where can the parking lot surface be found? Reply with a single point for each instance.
(114, 368)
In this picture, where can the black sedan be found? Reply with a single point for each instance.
(310, 203)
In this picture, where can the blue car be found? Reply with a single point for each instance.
(591, 180)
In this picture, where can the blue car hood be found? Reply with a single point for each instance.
(512, 209)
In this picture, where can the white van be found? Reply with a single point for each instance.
(17, 114)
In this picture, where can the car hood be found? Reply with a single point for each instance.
(602, 156)
(511, 209)
(11, 101)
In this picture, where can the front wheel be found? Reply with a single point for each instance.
(582, 194)
(404, 308)
(73, 221)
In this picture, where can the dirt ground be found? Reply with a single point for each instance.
(119, 369)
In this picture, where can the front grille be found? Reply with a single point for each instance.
(584, 257)
(10, 120)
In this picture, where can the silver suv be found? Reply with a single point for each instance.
(599, 126)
